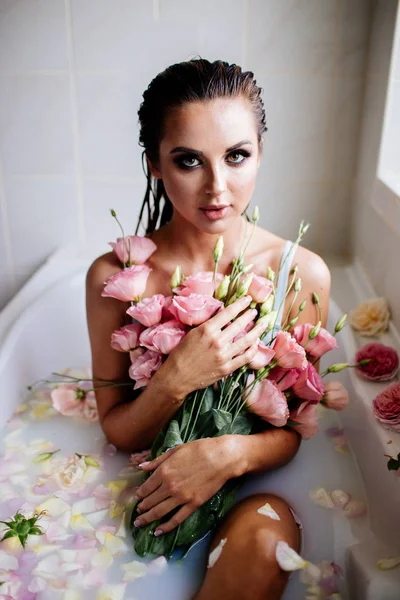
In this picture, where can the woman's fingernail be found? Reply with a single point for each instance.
(143, 464)
(158, 532)
(137, 523)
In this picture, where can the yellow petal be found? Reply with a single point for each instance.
(288, 559)
(216, 553)
(111, 592)
(102, 559)
(268, 511)
(113, 543)
(80, 523)
(134, 570)
(54, 506)
(117, 487)
(388, 563)
(321, 497)
(116, 509)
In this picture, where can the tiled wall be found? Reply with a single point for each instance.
(374, 242)
(72, 74)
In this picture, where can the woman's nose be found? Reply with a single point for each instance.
(216, 183)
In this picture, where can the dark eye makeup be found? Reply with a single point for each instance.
(182, 160)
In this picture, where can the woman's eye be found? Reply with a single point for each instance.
(241, 155)
(186, 162)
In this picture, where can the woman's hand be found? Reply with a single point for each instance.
(206, 354)
(186, 476)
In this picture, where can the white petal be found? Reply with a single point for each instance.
(97, 517)
(158, 565)
(116, 487)
(8, 562)
(340, 498)
(113, 543)
(388, 563)
(87, 505)
(111, 592)
(80, 523)
(47, 567)
(122, 531)
(42, 549)
(134, 570)
(54, 506)
(102, 559)
(355, 509)
(321, 497)
(288, 559)
(216, 553)
(268, 511)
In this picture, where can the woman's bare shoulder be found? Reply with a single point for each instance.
(103, 267)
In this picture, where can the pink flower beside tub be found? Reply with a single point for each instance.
(269, 403)
(148, 311)
(288, 352)
(386, 407)
(336, 396)
(304, 420)
(133, 249)
(383, 362)
(127, 285)
(321, 344)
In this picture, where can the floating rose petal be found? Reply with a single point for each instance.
(55, 507)
(102, 559)
(134, 570)
(109, 450)
(103, 496)
(82, 541)
(388, 563)
(97, 517)
(116, 509)
(340, 498)
(158, 565)
(111, 542)
(48, 566)
(8, 562)
(216, 553)
(87, 505)
(116, 487)
(80, 523)
(287, 558)
(38, 584)
(95, 578)
(268, 511)
(321, 497)
(355, 509)
(111, 592)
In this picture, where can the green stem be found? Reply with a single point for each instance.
(185, 438)
(198, 412)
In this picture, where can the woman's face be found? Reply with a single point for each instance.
(209, 158)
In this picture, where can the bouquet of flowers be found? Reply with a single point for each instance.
(280, 386)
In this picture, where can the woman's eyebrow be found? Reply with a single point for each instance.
(199, 153)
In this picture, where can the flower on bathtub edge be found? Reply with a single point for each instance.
(370, 318)
(383, 362)
(386, 407)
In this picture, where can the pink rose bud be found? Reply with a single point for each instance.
(195, 308)
(288, 352)
(321, 344)
(309, 385)
(263, 357)
(305, 420)
(336, 396)
(128, 285)
(386, 407)
(266, 401)
(134, 249)
(383, 362)
(126, 338)
(199, 283)
(148, 311)
(260, 288)
(68, 399)
(144, 367)
(163, 337)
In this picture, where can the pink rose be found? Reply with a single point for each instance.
(263, 357)
(288, 352)
(309, 385)
(128, 285)
(163, 337)
(126, 338)
(384, 363)
(335, 396)
(266, 401)
(242, 333)
(148, 311)
(306, 420)
(260, 288)
(169, 311)
(134, 250)
(68, 399)
(195, 308)
(143, 367)
(199, 283)
(321, 344)
(284, 378)
(386, 407)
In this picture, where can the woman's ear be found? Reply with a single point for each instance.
(154, 170)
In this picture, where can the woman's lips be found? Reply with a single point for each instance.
(214, 214)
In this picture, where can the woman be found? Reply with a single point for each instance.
(202, 127)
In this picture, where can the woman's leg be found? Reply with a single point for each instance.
(247, 568)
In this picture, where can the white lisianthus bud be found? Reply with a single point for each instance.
(176, 278)
(222, 289)
(293, 321)
(244, 286)
(268, 305)
(247, 268)
(268, 320)
(315, 298)
(337, 367)
(256, 215)
(271, 274)
(341, 323)
(218, 250)
(314, 331)
(297, 285)
(302, 306)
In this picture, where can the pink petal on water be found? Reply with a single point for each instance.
(109, 450)
(95, 578)
(334, 431)
(103, 496)
(82, 541)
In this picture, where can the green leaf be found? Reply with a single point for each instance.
(11, 533)
(208, 401)
(242, 425)
(173, 436)
(393, 463)
(24, 528)
(10, 524)
(222, 418)
(35, 531)
(22, 539)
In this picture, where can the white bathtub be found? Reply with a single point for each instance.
(43, 329)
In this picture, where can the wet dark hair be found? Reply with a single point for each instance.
(190, 81)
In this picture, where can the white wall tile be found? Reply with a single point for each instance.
(33, 35)
(292, 36)
(353, 35)
(107, 113)
(124, 197)
(297, 110)
(42, 216)
(36, 124)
